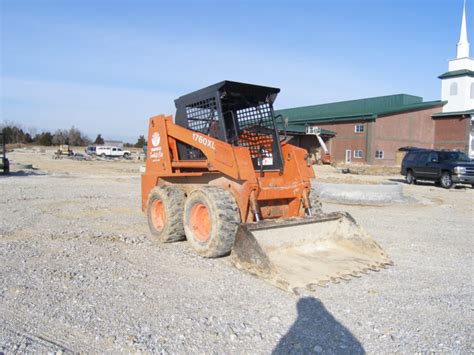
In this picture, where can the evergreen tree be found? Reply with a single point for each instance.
(140, 142)
(99, 139)
(45, 138)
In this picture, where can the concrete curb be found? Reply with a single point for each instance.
(361, 194)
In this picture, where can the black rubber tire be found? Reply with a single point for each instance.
(126, 155)
(6, 167)
(224, 216)
(410, 178)
(446, 180)
(172, 198)
(315, 202)
(103, 156)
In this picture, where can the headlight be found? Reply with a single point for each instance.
(459, 170)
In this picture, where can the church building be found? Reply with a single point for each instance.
(454, 126)
(373, 130)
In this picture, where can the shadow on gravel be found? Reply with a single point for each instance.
(431, 183)
(421, 183)
(317, 331)
(398, 180)
(23, 173)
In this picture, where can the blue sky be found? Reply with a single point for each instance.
(105, 66)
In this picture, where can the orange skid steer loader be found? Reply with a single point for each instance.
(221, 177)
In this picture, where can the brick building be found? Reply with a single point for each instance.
(372, 130)
(455, 130)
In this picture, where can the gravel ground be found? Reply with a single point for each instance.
(81, 274)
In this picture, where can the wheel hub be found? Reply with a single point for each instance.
(200, 222)
(158, 216)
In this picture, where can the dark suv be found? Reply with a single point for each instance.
(444, 167)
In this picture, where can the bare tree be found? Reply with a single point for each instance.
(32, 131)
(59, 137)
(75, 137)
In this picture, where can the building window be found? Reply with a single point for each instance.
(379, 154)
(358, 154)
(359, 128)
(453, 89)
(472, 91)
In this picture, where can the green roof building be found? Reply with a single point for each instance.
(364, 131)
(368, 109)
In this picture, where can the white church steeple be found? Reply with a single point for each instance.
(463, 44)
(457, 84)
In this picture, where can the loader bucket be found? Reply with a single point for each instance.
(305, 252)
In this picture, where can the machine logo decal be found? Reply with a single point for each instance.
(155, 139)
(156, 152)
(204, 141)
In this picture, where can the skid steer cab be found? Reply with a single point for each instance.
(220, 176)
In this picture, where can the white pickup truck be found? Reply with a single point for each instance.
(106, 151)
